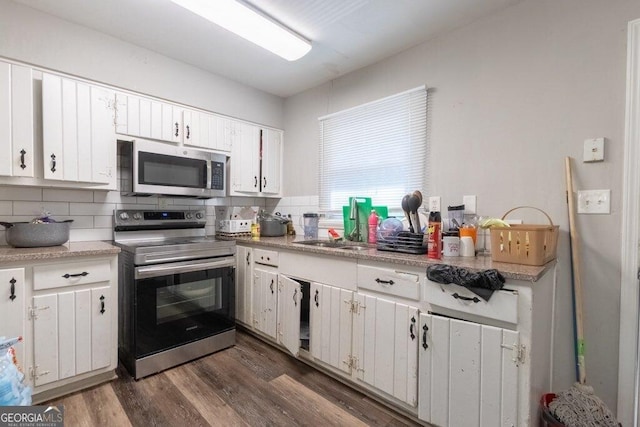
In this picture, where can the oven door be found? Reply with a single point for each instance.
(178, 303)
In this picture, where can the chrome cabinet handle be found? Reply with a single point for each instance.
(53, 162)
(177, 129)
(22, 153)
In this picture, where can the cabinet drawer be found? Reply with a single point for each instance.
(392, 281)
(502, 306)
(71, 274)
(265, 257)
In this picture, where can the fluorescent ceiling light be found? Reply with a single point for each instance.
(250, 24)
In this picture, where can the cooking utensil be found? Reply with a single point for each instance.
(34, 235)
(415, 201)
(406, 209)
(272, 225)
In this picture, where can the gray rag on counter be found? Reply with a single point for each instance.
(481, 283)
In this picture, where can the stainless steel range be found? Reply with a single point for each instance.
(176, 289)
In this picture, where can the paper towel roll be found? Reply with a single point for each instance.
(467, 248)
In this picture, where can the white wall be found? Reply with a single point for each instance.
(43, 40)
(512, 95)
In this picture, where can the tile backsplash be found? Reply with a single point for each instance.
(92, 211)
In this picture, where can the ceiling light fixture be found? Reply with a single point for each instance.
(251, 24)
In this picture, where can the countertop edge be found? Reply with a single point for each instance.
(67, 250)
(478, 263)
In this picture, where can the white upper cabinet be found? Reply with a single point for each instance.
(148, 118)
(79, 141)
(255, 161)
(271, 158)
(16, 120)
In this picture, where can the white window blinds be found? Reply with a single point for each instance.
(376, 150)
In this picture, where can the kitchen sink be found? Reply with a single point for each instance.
(353, 246)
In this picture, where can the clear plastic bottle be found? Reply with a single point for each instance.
(373, 226)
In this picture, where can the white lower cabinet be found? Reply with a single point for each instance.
(468, 373)
(385, 346)
(12, 307)
(72, 333)
(67, 313)
(330, 325)
(265, 300)
(244, 264)
(437, 352)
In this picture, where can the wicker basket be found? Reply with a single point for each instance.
(526, 244)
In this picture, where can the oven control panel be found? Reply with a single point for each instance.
(158, 219)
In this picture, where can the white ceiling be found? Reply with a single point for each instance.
(346, 34)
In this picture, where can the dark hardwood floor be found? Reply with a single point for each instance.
(250, 384)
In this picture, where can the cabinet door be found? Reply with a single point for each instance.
(101, 309)
(45, 338)
(271, 157)
(265, 298)
(220, 133)
(387, 348)
(245, 159)
(145, 117)
(244, 261)
(21, 121)
(103, 138)
(12, 307)
(156, 120)
(330, 325)
(171, 123)
(16, 120)
(467, 362)
(52, 125)
(289, 298)
(191, 122)
(78, 131)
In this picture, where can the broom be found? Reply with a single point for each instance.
(579, 406)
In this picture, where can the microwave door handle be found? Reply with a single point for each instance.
(166, 270)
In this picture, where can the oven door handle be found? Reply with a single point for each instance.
(181, 267)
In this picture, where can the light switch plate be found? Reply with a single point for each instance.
(594, 202)
(434, 204)
(469, 205)
(593, 150)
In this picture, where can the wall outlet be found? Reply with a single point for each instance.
(434, 204)
(469, 203)
(594, 202)
(593, 150)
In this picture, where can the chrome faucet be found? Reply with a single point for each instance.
(354, 215)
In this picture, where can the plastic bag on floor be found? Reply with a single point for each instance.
(13, 391)
(481, 283)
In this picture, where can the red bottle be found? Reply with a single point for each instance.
(373, 226)
(434, 240)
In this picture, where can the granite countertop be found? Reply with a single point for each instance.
(478, 263)
(69, 249)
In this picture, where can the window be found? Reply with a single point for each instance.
(376, 150)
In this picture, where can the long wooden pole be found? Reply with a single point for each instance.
(577, 281)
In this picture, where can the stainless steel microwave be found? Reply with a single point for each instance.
(149, 167)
